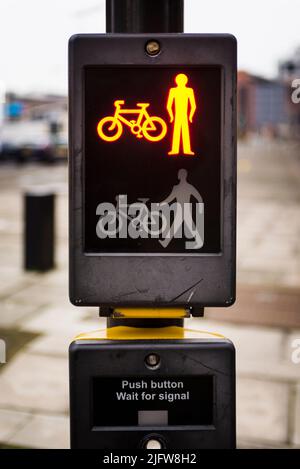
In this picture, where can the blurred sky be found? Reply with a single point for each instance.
(34, 35)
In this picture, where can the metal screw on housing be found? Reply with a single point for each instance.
(153, 48)
(152, 361)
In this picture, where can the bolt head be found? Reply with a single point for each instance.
(152, 47)
(152, 361)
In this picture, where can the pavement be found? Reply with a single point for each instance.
(37, 321)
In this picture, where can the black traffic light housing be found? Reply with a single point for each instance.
(139, 272)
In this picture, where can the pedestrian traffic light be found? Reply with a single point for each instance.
(152, 170)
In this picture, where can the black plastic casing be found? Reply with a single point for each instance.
(153, 280)
(181, 358)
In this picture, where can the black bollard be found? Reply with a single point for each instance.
(39, 230)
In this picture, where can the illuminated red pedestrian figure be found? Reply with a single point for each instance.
(181, 107)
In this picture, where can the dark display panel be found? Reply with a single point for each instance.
(128, 170)
(171, 401)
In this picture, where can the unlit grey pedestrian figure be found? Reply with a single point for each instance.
(181, 197)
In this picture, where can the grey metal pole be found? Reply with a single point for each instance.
(144, 16)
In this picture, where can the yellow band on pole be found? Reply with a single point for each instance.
(151, 313)
(147, 333)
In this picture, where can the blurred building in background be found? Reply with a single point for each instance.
(262, 106)
(289, 71)
(265, 106)
(34, 127)
(35, 107)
